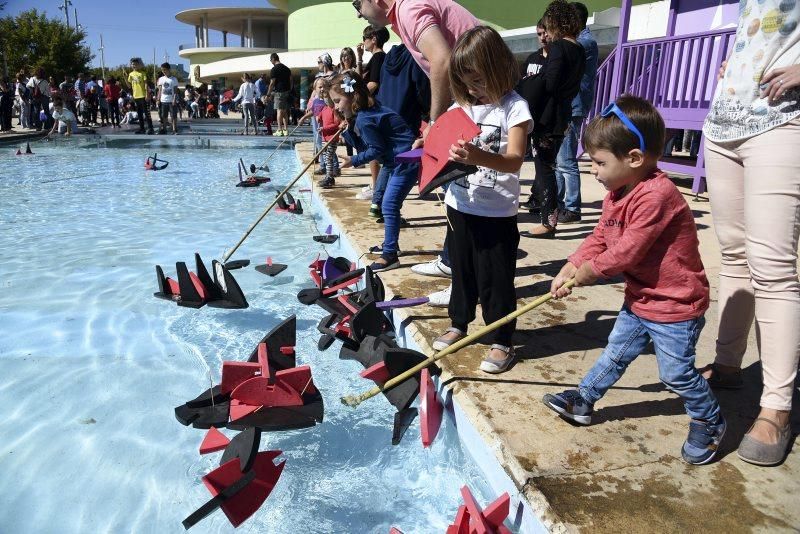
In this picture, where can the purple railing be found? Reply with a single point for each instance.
(677, 74)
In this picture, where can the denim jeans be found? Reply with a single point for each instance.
(568, 176)
(403, 178)
(380, 184)
(675, 352)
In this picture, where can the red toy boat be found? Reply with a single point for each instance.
(470, 519)
(267, 391)
(430, 411)
(243, 480)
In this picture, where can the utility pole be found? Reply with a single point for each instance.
(102, 57)
(65, 9)
(77, 26)
(155, 78)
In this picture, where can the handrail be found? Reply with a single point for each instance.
(676, 73)
(654, 40)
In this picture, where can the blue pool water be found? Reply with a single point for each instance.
(92, 364)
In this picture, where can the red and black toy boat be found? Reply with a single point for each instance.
(196, 290)
(244, 479)
(268, 391)
(152, 163)
(251, 180)
(286, 203)
(470, 519)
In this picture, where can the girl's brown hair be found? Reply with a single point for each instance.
(360, 95)
(482, 51)
(561, 20)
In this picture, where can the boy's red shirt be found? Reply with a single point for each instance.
(650, 237)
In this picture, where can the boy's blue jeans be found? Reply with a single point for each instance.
(568, 175)
(675, 352)
(402, 178)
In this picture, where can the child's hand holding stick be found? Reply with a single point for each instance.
(583, 275)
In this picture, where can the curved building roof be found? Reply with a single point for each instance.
(229, 19)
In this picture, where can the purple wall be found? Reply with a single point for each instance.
(695, 16)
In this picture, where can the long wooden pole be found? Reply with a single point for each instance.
(286, 138)
(228, 254)
(355, 400)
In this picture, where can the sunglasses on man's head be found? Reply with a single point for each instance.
(357, 7)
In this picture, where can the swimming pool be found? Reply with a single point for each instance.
(93, 364)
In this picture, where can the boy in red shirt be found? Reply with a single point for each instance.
(646, 233)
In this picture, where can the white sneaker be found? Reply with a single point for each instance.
(364, 194)
(433, 268)
(440, 299)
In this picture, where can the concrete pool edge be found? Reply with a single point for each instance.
(502, 471)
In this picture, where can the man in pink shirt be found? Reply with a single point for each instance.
(646, 233)
(429, 29)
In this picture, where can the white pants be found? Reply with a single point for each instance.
(754, 187)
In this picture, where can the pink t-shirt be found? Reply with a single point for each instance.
(410, 19)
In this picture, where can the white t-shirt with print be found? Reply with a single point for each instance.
(490, 193)
(169, 86)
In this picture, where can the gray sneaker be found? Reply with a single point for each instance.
(570, 405)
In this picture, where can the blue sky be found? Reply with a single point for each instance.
(132, 28)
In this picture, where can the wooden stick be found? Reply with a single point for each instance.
(355, 400)
(286, 138)
(228, 254)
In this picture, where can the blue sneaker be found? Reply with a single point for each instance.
(570, 405)
(703, 441)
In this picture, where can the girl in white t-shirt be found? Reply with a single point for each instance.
(247, 94)
(482, 207)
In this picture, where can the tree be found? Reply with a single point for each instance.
(30, 41)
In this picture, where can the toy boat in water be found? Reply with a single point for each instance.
(196, 290)
(244, 479)
(268, 391)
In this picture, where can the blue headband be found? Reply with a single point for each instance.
(613, 109)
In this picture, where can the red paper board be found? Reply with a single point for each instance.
(448, 129)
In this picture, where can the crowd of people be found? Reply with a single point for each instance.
(90, 101)
(646, 231)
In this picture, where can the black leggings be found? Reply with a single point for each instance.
(544, 189)
(113, 112)
(483, 257)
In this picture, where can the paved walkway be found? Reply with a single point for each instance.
(624, 472)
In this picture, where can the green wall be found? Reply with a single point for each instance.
(316, 25)
(320, 24)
